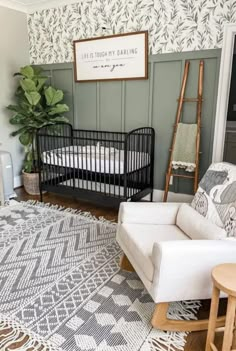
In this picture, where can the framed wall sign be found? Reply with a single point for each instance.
(113, 57)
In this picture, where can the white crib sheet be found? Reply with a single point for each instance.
(105, 162)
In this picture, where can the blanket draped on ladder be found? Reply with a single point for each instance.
(184, 153)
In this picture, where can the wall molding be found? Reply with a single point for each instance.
(146, 102)
(50, 4)
(41, 5)
(14, 5)
(223, 91)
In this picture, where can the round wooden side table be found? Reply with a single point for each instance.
(224, 279)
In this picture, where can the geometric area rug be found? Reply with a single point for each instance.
(61, 287)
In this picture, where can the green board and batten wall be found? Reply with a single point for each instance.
(125, 105)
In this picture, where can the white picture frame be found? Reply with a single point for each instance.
(113, 57)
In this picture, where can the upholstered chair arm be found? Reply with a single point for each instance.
(148, 213)
(183, 268)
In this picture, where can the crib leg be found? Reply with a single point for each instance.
(151, 196)
(41, 195)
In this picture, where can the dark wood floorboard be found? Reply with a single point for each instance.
(195, 341)
(106, 212)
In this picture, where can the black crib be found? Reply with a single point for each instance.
(99, 166)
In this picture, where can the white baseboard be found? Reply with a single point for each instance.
(172, 197)
(18, 181)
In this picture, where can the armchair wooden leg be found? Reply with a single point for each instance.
(125, 264)
(160, 321)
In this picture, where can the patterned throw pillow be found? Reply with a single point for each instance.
(215, 198)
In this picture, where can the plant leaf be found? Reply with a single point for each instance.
(19, 131)
(17, 74)
(37, 70)
(53, 96)
(24, 105)
(58, 109)
(60, 119)
(28, 85)
(14, 108)
(33, 97)
(18, 119)
(29, 156)
(41, 82)
(19, 92)
(27, 71)
(25, 138)
(28, 166)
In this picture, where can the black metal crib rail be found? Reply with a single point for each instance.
(99, 166)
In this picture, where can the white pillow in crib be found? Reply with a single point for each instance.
(102, 150)
(98, 150)
(88, 149)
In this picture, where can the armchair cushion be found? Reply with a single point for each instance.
(196, 226)
(138, 239)
(215, 198)
(148, 213)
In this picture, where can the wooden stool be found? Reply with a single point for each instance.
(224, 279)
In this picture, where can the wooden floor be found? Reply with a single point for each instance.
(108, 213)
(195, 341)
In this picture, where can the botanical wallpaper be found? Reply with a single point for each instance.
(173, 25)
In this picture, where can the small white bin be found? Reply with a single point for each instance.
(6, 177)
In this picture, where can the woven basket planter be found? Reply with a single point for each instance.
(31, 183)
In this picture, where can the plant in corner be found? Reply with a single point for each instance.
(37, 105)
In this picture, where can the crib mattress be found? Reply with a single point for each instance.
(107, 162)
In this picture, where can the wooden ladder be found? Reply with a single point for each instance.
(181, 101)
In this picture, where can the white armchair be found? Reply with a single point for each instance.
(173, 247)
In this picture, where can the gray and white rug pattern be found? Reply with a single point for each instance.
(60, 284)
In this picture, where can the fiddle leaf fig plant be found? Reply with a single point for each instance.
(37, 105)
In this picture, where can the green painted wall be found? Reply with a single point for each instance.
(121, 105)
